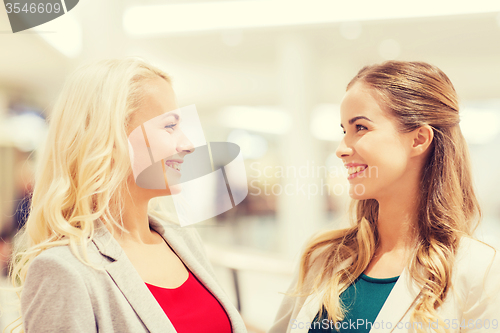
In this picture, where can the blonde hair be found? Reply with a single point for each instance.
(84, 162)
(414, 94)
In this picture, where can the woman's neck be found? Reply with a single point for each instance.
(135, 219)
(395, 226)
(397, 222)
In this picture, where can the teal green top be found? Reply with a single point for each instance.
(363, 300)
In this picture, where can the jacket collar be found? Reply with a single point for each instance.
(401, 299)
(106, 243)
(201, 268)
(135, 290)
(128, 280)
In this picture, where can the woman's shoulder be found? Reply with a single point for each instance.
(318, 249)
(476, 281)
(477, 252)
(62, 259)
(51, 267)
(476, 260)
(51, 260)
(54, 282)
(330, 239)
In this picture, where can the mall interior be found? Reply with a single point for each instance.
(269, 82)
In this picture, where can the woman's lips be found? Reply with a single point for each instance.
(353, 172)
(174, 165)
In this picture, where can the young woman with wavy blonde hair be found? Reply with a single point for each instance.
(409, 262)
(95, 254)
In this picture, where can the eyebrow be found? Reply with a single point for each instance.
(168, 114)
(352, 120)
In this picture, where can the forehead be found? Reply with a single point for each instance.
(159, 98)
(360, 100)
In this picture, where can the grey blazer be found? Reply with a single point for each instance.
(61, 294)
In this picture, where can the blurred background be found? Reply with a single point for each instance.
(269, 76)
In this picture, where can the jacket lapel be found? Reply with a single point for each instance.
(399, 302)
(128, 280)
(200, 271)
(311, 307)
(306, 315)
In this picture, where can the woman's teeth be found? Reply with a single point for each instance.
(174, 165)
(353, 170)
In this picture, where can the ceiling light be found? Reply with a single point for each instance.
(222, 15)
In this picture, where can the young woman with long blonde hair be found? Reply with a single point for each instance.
(95, 254)
(409, 262)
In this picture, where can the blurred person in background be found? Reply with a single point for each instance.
(94, 254)
(22, 179)
(23, 187)
(409, 262)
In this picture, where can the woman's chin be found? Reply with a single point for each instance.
(175, 189)
(358, 192)
(172, 190)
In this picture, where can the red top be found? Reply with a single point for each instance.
(192, 308)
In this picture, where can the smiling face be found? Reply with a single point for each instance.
(159, 119)
(371, 139)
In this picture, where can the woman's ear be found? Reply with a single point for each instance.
(422, 139)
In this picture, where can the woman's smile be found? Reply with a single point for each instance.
(353, 172)
(174, 165)
(354, 169)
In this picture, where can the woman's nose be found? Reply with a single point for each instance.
(184, 144)
(343, 150)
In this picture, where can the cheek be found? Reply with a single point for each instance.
(164, 144)
(155, 136)
(385, 154)
(392, 162)
(175, 189)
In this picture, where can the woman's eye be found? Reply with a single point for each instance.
(358, 128)
(171, 126)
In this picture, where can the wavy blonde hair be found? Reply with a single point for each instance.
(85, 161)
(414, 94)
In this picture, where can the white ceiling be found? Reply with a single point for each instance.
(210, 73)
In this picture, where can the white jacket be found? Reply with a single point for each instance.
(472, 303)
